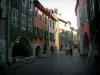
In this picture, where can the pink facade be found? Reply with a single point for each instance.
(85, 28)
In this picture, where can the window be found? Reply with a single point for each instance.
(53, 24)
(45, 20)
(40, 15)
(92, 12)
(24, 1)
(24, 5)
(30, 4)
(36, 11)
(42, 32)
(23, 21)
(35, 29)
(30, 24)
(14, 17)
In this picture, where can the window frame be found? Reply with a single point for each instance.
(30, 24)
(40, 15)
(36, 11)
(30, 5)
(92, 11)
(50, 23)
(53, 24)
(23, 26)
(45, 19)
(24, 4)
(15, 17)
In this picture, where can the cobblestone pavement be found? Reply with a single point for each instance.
(57, 64)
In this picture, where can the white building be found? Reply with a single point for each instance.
(52, 24)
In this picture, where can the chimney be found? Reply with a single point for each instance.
(56, 11)
(51, 11)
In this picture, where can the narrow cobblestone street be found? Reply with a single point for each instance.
(57, 64)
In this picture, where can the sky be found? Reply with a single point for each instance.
(65, 7)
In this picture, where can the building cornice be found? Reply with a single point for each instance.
(77, 3)
(42, 9)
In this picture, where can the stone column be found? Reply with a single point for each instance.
(81, 43)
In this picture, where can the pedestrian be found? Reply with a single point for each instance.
(66, 50)
(70, 51)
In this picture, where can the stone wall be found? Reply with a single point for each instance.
(2, 50)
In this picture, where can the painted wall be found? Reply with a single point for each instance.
(51, 27)
(57, 35)
(86, 29)
(85, 20)
(40, 23)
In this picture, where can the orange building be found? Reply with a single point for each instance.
(41, 23)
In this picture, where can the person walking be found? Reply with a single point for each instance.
(66, 49)
(70, 51)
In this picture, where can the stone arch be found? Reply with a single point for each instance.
(21, 47)
(86, 43)
(37, 50)
(52, 49)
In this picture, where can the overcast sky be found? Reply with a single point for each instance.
(66, 7)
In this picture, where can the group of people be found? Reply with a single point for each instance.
(68, 50)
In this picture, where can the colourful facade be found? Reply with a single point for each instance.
(83, 25)
(42, 22)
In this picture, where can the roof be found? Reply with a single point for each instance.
(64, 21)
(42, 9)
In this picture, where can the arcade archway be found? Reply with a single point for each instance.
(21, 47)
(37, 50)
(86, 43)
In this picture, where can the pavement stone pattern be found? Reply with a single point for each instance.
(57, 64)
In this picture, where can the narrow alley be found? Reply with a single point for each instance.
(36, 35)
(57, 64)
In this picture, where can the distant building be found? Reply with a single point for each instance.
(65, 33)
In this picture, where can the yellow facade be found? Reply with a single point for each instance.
(57, 35)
